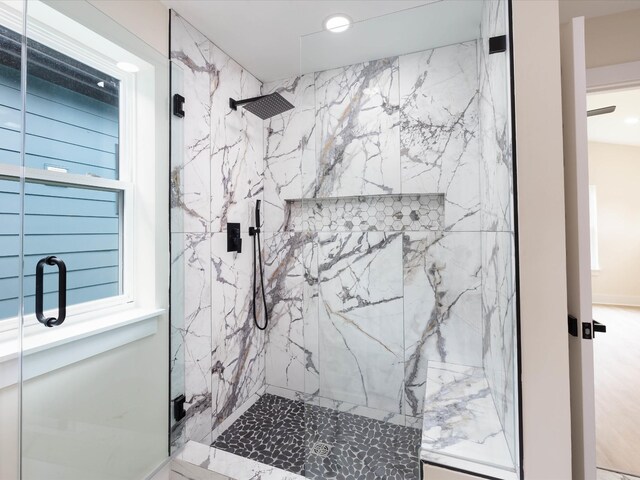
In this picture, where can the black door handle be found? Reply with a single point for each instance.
(599, 327)
(62, 291)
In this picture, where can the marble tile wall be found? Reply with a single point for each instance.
(358, 129)
(439, 130)
(191, 333)
(498, 250)
(442, 306)
(357, 316)
(460, 426)
(361, 318)
(216, 176)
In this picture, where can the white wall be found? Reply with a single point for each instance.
(613, 39)
(543, 290)
(147, 19)
(615, 170)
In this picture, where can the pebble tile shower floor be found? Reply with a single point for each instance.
(289, 435)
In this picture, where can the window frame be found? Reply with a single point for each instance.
(124, 185)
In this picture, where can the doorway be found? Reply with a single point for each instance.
(614, 167)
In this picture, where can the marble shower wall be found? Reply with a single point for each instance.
(216, 176)
(497, 221)
(357, 312)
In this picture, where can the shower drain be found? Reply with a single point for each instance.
(321, 449)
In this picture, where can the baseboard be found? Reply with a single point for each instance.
(622, 300)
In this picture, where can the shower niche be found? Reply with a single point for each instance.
(388, 253)
(365, 213)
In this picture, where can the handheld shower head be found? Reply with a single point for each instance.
(257, 213)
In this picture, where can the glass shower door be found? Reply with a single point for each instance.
(72, 251)
(11, 228)
(90, 364)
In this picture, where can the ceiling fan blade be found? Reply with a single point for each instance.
(601, 111)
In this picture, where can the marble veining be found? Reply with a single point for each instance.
(237, 353)
(289, 149)
(287, 356)
(460, 419)
(498, 250)
(225, 465)
(191, 332)
(429, 149)
(360, 318)
(442, 306)
(236, 146)
(218, 356)
(357, 129)
(439, 129)
(190, 167)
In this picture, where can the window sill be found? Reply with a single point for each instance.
(52, 349)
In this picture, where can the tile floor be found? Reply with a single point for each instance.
(320, 443)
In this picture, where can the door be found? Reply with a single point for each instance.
(88, 358)
(11, 227)
(576, 171)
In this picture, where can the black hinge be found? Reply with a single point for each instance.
(178, 105)
(573, 326)
(178, 408)
(498, 44)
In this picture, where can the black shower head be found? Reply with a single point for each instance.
(265, 106)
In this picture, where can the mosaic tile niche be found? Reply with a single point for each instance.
(366, 213)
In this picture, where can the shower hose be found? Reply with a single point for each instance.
(257, 246)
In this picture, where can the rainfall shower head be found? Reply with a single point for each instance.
(265, 106)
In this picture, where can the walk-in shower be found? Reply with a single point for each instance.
(384, 166)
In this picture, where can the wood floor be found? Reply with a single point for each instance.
(617, 389)
(607, 475)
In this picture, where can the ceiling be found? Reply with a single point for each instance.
(594, 8)
(611, 127)
(400, 33)
(264, 35)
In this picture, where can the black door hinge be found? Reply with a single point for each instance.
(178, 105)
(498, 44)
(573, 326)
(178, 408)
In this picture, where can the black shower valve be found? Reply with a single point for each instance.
(234, 239)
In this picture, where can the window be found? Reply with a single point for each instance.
(593, 227)
(76, 190)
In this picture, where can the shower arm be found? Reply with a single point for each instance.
(233, 104)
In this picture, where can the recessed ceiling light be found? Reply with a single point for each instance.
(337, 23)
(127, 67)
(632, 120)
